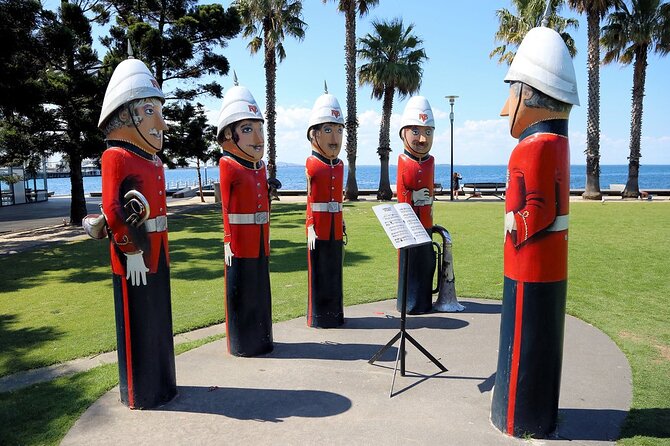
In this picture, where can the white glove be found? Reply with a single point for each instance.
(228, 254)
(510, 222)
(421, 197)
(136, 269)
(311, 237)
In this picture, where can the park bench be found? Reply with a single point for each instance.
(482, 189)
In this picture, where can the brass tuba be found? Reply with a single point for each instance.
(446, 287)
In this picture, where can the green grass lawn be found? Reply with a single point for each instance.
(56, 304)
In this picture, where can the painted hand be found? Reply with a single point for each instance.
(228, 254)
(421, 197)
(311, 237)
(136, 269)
(510, 222)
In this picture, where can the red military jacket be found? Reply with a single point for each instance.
(126, 167)
(244, 192)
(325, 178)
(538, 193)
(415, 174)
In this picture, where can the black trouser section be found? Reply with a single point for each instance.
(539, 362)
(420, 278)
(249, 306)
(151, 343)
(326, 296)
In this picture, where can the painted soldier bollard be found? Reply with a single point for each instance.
(416, 169)
(324, 223)
(246, 225)
(135, 210)
(542, 92)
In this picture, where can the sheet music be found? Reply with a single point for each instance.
(401, 224)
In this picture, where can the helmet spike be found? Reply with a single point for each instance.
(325, 87)
(130, 50)
(235, 81)
(547, 13)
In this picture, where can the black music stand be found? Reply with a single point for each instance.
(402, 335)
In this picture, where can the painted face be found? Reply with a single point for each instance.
(514, 109)
(418, 139)
(251, 140)
(328, 140)
(150, 125)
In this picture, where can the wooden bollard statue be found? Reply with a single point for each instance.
(135, 210)
(246, 224)
(543, 89)
(414, 185)
(324, 222)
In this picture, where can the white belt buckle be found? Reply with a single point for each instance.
(260, 218)
(333, 206)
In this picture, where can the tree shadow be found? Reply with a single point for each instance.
(16, 342)
(88, 261)
(273, 405)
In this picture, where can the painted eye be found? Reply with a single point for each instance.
(415, 132)
(327, 130)
(340, 130)
(148, 110)
(429, 132)
(246, 129)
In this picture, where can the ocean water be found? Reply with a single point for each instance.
(293, 177)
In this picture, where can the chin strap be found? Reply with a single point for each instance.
(518, 104)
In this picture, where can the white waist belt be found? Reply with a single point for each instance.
(331, 206)
(560, 224)
(259, 218)
(158, 224)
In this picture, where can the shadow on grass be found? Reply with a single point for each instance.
(43, 413)
(654, 423)
(14, 343)
(272, 405)
(590, 424)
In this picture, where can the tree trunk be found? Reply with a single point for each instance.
(270, 98)
(351, 189)
(632, 189)
(384, 192)
(78, 200)
(592, 187)
(197, 165)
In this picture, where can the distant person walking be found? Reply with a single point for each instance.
(455, 185)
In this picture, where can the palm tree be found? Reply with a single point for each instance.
(350, 8)
(267, 22)
(513, 28)
(394, 59)
(595, 10)
(629, 36)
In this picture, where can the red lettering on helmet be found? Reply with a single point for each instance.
(423, 117)
(335, 113)
(253, 109)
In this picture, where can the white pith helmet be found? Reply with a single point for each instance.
(417, 112)
(131, 80)
(238, 104)
(326, 109)
(543, 62)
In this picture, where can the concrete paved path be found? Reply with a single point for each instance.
(317, 387)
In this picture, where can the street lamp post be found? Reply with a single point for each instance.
(452, 99)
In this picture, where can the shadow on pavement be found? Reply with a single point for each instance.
(257, 404)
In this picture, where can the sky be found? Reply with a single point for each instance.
(458, 37)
